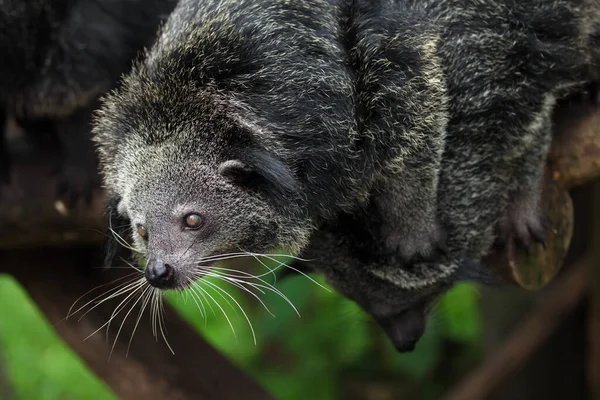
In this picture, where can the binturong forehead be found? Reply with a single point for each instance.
(161, 178)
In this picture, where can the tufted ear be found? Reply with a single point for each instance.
(469, 270)
(117, 225)
(237, 172)
(259, 169)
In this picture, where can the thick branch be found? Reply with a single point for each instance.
(541, 322)
(54, 278)
(31, 217)
(575, 155)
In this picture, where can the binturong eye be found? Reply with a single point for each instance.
(141, 230)
(193, 221)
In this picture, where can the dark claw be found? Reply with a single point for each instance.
(521, 231)
(540, 235)
(523, 239)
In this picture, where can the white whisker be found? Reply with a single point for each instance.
(161, 323)
(69, 313)
(242, 287)
(121, 307)
(146, 295)
(265, 285)
(114, 313)
(298, 271)
(121, 290)
(147, 298)
(197, 300)
(236, 302)
(154, 313)
(271, 270)
(122, 241)
(218, 305)
(273, 289)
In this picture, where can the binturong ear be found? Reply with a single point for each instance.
(117, 227)
(237, 172)
(469, 270)
(260, 170)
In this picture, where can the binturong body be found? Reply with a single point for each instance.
(58, 58)
(255, 125)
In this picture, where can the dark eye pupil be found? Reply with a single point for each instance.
(192, 220)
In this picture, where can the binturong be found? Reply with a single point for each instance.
(58, 58)
(259, 125)
(264, 119)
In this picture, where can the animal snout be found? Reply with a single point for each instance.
(160, 274)
(404, 329)
(405, 345)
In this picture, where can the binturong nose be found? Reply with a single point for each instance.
(159, 274)
(404, 329)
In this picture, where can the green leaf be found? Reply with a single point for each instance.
(460, 313)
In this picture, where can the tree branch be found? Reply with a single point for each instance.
(575, 155)
(54, 278)
(540, 323)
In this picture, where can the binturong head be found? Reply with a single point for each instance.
(399, 300)
(398, 297)
(191, 182)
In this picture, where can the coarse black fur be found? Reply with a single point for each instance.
(350, 256)
(334, 111)
(427, 121)
(504, 74)
(58, 58)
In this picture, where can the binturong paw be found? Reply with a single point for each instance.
(524, 223)
(417, 243)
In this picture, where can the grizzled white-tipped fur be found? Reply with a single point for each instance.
(372, 134)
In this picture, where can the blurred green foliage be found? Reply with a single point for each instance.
(39, 364)
(328, 352)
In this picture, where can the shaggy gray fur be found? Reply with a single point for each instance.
(305, 124)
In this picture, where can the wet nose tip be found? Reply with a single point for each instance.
(159, 274)
(404, 346)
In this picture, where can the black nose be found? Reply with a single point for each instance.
(404, 329)
(160, 275)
